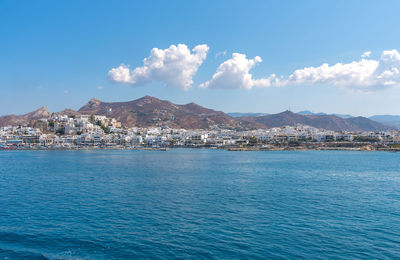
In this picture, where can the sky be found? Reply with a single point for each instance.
(233, 56)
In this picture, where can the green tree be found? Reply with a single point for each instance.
(105, 129)
(253, 141)
(91, 119)
(60, 131)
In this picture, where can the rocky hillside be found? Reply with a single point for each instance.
(151, 111)
(26, 118)
(329, 122)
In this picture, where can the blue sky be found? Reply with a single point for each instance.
(59, 54)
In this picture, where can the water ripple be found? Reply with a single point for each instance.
(199, 204)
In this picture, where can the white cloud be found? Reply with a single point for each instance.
(175, 66)
(120, 74)
(234, 73)
(366, 54)
(66, 91)
(365, 74)
(100, 87)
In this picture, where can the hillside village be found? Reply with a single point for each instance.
(150, 123)
(60, 131)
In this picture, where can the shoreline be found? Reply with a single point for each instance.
(233, 149)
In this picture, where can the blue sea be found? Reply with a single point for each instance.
(194, 203)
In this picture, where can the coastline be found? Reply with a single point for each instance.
(233, 149)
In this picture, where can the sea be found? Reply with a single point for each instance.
(199, 204)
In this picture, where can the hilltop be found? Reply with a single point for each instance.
(25, 119)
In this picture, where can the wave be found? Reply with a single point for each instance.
(21, 254)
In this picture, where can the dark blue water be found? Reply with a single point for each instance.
(199, 204)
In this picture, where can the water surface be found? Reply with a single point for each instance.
(199, 204)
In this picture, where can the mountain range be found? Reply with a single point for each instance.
(304, 112)
(150, 111)
(329, 122)
(389, 120)
(309, 113)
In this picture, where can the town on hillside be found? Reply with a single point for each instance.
(61, 131)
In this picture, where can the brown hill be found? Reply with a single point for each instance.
(68, 112)
(329, 122)
(15, 120)
(150, 111)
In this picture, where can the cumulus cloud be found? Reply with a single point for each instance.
(365, 74)
(356, 73)
(174, 66)
(120, 74)
(234, 73)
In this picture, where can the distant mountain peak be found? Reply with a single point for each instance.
(287, 113)
(148, 98)
(42, 109)
(42, 112)
(192, 104)
(93, 103)
(94, 100)
(310, 113)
